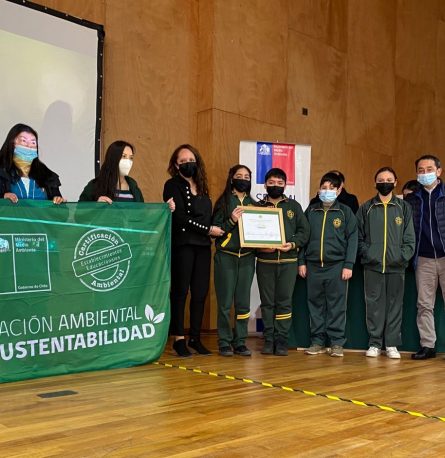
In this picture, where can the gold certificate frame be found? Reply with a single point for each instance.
(261, 227)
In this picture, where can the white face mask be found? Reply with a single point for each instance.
(125, 167)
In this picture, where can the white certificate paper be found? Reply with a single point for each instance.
(261, 227)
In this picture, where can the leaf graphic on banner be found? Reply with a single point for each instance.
(159, 318)
(149, 313)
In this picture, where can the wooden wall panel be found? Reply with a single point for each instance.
(439, 107)
(360, 168)
(414, 125)
(150, 84)
(93, 11)
(323, 20)
(250, 58)
(420, 82)
(416, 40)
(371, 97)
(206, 26)
(317, 81)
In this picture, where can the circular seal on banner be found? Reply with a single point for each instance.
(101, 260)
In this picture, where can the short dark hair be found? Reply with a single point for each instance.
(339, 174)
(385, 169)
(412, 185)
(331, 177)
(276, 173)
(428, 157)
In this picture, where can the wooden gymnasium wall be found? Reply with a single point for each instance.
(213, 72)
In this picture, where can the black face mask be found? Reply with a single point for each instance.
(188, 169)
(241, 185)
(384, 188)
(275, 191)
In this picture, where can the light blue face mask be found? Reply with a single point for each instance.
(327, 195)
(25, 154)
(426, 179)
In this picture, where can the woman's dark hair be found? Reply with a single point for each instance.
(385, 169)
(106, 181)
(200, 178)
(7, 150)
(224, 198)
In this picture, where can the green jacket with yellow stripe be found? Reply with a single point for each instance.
(296, 229)
(386, 238)
(230, 241)
(333, 235)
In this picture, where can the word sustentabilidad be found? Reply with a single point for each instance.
(73, 342)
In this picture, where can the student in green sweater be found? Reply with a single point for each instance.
(234, 266)
(326, 262)
(277, 269)
(386, 243)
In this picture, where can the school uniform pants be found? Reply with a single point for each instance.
(233, 277)
(384, 303)
(327, 299)
(190, 269)
(276, 284)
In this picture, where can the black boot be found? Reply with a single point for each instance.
(196, 344)
(181, 348)
(280, 348)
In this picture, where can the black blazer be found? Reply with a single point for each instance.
(192, 216)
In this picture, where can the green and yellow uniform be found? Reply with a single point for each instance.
(332, 247)
(386, 243)
(277, 272)
(234, 269)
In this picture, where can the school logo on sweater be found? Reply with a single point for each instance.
(398, 220)
(290, 214)
(336, 223)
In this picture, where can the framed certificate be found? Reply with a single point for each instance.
(261, 227)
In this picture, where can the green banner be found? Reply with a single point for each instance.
(82, 286)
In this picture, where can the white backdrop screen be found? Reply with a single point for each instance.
(49, 80)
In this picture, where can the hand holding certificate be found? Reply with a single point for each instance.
(261, 227)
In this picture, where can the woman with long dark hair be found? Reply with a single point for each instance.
(191, 233)
(22, 174)
(234, 266)
(113, 183)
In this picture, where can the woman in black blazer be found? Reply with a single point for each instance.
(191, 233)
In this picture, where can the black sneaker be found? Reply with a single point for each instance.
(181, 348)
(242, 350)
(281, 349)
(198, 346)
(225, 351)
(267, 348)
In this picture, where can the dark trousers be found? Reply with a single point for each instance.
(276, 284)
(384, 301)
(190, 269)
(327, 296)
(233, 279)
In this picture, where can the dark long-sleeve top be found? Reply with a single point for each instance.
(88, 193)
(192, 216)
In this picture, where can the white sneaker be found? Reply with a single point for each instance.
(392, 352)
(373, 352)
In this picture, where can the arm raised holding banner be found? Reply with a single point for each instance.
(22, 174)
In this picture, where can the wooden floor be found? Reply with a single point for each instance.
(157, 410)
